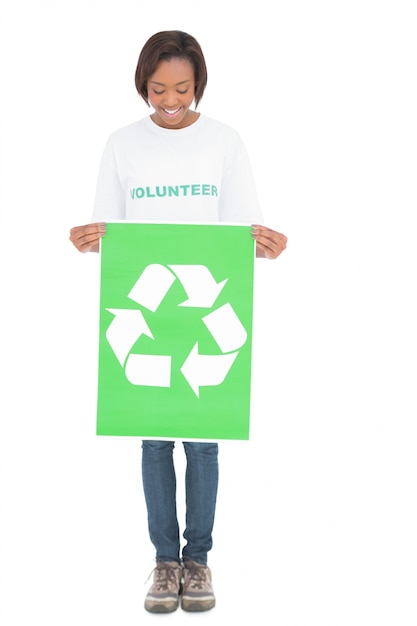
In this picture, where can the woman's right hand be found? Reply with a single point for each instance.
(87, 238)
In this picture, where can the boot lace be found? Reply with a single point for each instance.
(196, 574)
(164, 574)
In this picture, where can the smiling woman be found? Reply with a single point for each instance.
(177, 165)
(168, 46)
(171, 93)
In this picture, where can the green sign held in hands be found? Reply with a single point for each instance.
(176, 305)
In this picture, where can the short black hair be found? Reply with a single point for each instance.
(166, 45)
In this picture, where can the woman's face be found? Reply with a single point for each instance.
(171, 93)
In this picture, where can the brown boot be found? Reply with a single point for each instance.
(163, 596)
(197, 593)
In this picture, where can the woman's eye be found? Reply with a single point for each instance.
(159, 93)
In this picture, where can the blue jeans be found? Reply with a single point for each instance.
(159, 485)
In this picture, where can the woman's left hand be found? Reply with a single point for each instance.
(269, 243)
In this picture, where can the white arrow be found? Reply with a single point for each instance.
(152, 286)
(151, 370)
(226, 328)
(197, 280)
(206, 369)
(125, 329)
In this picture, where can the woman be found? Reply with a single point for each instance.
(177, 165)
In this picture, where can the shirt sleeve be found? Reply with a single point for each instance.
(110, 203)
(238, 199)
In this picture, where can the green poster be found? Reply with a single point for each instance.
(176, 303)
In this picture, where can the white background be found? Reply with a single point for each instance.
(316, 518)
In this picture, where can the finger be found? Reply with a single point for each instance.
(83, 236)
(99, 228)
(271, 248)
(271, 238)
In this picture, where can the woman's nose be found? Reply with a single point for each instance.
(171, 100)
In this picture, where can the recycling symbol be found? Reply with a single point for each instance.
(154, 370)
